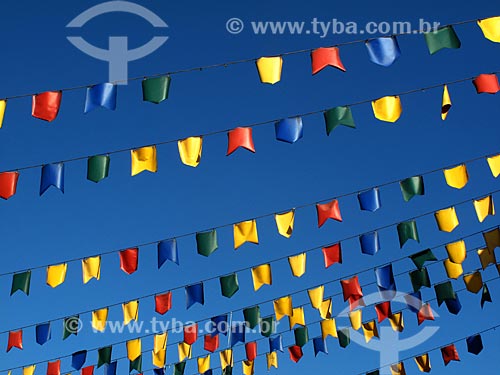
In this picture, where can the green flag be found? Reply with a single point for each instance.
(376, 372)
(485, 296)
(229, 285)
(179, 368)
(267, 326)
(444, 37)
(71, 326)
(420, 278)
(21, 281)
(421, 257)
(227, 371)
(407, 230)
(344, 337)
(136, 365)
(338, 116)
(444, 291)
(155, 90)
(97, 167)
(412, 186)
(301, 336)
(206, 242)
(252, 316)
(104, 356)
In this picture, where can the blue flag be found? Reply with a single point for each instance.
(78, 359)
(220, 325)
(101, 95)
(474, 344)
(454, 306)
(289, 130)
(383, 51)
(194, 294)
(159, 371)
(52, 175)
(237, 333)
(369, 200)
(319, 346)
(42, 333)
(385, 281)
(167, 250)
(275, 343)
(414, 301)
(110, 369)
(370, 243)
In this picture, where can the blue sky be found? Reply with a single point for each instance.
(123, 211)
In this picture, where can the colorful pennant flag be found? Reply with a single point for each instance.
(370, 330)
(486, 258)
(229, 285)
(493, 162)
(211, 343)
(99, 318)
(474, 344)
(344, 337)
(8, 184)
(453, 270)
(43, 333)
(285, 223)
(206, 242)
(397, 322)
(289, 130)
(295, 353)
(486, 84)
(444, 291)
(155, 90)
(411, 187)
(91, 268)
(3, 107)
(328, 328)
(383, 311)
(407, 230)
(446, 219)
(97, 167)
(444, 37)
(355, 317)
(492, 239)
(276, 344)
(203, 364)
(445, 103)
(456, 251)
(190, 150)
(297, 318)
(369, 200)
(15, 340)
(21, 281)
(194, 294)
(473, 282)
(298, 264)
(421, 257)
(269, 69)
(386, 283)
(52, 175)
(323, 57)
(327, 211)
(129, 260)
(245, 231)
(251, 350)
(332, 254)
(370, 243)
(490, 28)
(338, 116)
(239, 137)
(163, 303)
(167, 250)
(130, 311)
(101, 95)
(272, 360)
(283, 307)
(387, 109)
(252, 318)
(449, 354)
(484, 207)
(143, 159)
(78, 359)
(267, 326)
(457, 177)
(383, 51)
(261, 275)
(104, 356)
(190, 333)
(71, 326)
(45, 106)
(316, 296)
(420, 278)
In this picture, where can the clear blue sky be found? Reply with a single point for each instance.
(122, 210)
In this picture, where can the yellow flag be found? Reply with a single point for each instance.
(457, 177)
(184, 351)
(298, 264)
(355, 317)
(446, 103)
(453, 270)
(388, 108)
(456, 251)
(370, 330)
(144, 159)
(473, 282)
(484, 207)
(261, 275)
(160, 342)
(245, 231)
(282, 307)
(134, 349)
(325, 311)
(91, 268)
(486, 257)
(446, 219)
(270, 69)
(248, 367)
(226, 358)
(316, 296)
(398, 369)
(397, 322)
(203, 364)
(297, 317)
(130, 311)
(99, 318)
(328, 328)
(190, 150)
(56, 274)
(423, 363)
(491, 28)
(159, 358)
(272, 360)
(494, 163)
(29, 370)
(285, 222)
(3, 105)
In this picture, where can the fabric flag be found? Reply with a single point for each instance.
(184, 351)
(485, 295)
(160, 342)
(211, 343)
(298, 264)
(323, 57)
(251, 350)
(226, 358)
(493, 163)
(45, 106)
(237, 333)
(413, 301)
(407, 230)
(316, 296)
(327, 211)
(269, 69)
(203, 364)
(229, 285)
(246, 231)
(295, 353)
(285, 222)
(136, 365)
(486, 84)
(98, 167)
(3, 106)
(453, 270)
(444, 291)
(43, 333)
(301, 335)
(91, 269)
(101, 95)
(261, 275)
(474, 344)
(194, 294)
(383, 311)
(78, 359)
(267, 326)
(387, 109)
(490, 28)
(167, 250)
(344, 337)
(71, 326)
(54, 368)
(129, 260)
(486, 258)
(370, 330)
(319, 346)
(190, 150)
(240, 137)
(21, 281)
(99, 318)
(220, 324)
(247, 367)
(383, 51)
(338, 116)
(143, 159)
(104, 356)
(328, 328)
(385, 281)
(190, 333)
(376, 372)
(492, 239)
(130, 311)
(52, 175)
(456, 251)
(425, 313)
(473, 282)
(163, 303)
(446, 103)
(421, 257)
(297, 317)
(332, 254)
(15, 340)
(8, 184)
(397, 322)
(155, 90)
(179, 368)
(30, 370)
(484, 207)
(157, 371)
(412, 186)
(276, 343)
(272, 360)
(325, 310)
(110, 369)
(134, 349)
(351, 289)
(283, 306)
(206, 242)
(289, 130)
(420, 278)
(446, 219)
(453, 305)
(252, 317)
(355, 317)
(369, 200)
(449, 354)
(398, 369)
(370, 243)
(457, 177)
(444, 37)
(89, 370)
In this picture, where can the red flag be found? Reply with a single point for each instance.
(355, 301)
(295, 353)
(486, 83)
(322, 57)
(425, 313)
(89, 370)
(251, 350)
(45, 106)
(449, 354)
(239, 137)
(191, 334)
(211, 343)
(332, 254)
(54, 368)
(15, 340)
(383, 311)
(328, 211)
(8, 184)
(129, 260)
(351, 288)
(163, 302)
